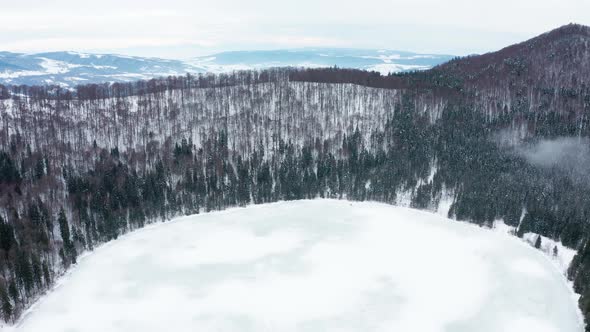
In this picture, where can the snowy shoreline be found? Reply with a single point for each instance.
(63, 280)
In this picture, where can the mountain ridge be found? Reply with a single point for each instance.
(546, 57)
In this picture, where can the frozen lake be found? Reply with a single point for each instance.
(318, 265)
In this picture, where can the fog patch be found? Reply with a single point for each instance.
(569, 155)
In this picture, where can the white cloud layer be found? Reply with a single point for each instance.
(183, 28)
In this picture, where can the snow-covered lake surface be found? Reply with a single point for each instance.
(318, 265)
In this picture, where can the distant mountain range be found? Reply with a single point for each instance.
(384, 61)
(73, 68)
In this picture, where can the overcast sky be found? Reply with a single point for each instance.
(185, 28)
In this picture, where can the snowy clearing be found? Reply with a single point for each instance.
(320, 265)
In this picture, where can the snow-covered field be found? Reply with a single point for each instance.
(318, 265)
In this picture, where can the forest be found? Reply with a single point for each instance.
(81, 167)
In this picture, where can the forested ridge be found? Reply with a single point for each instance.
(79, 168)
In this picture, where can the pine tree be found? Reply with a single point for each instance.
(24, 272)
(538, 242)
(39, 168)
(37, 273)
(69, 251)
(13, 291)
(6, 236)
(63, 226)
(7, 307)
(46, 275)
(46, 217)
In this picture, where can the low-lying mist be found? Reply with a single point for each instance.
(568, 155)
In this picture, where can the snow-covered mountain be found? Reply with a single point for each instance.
(72, 68)
(384, 61)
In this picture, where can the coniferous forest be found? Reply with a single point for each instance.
(81, 167)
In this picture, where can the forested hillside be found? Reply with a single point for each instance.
(78, 168)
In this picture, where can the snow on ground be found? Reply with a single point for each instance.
(384, 58)
(390, 68)
(318, 265)
(560, 255)
(55, 66)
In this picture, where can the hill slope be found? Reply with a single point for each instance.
(561, 56)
